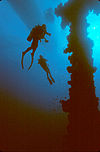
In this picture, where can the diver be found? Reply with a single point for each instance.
(37, 33)
(44, 65)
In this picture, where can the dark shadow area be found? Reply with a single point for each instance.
(42, 61)
(84, 117)
(24, 128)
(37, 33)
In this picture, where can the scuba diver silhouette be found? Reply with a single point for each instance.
(44, 65)
(37, 33)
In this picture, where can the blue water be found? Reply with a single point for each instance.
(94, 34)
(33, 87)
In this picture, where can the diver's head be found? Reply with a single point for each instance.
(43, 26)
(41, 57)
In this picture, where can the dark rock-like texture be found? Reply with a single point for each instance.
(84, 117)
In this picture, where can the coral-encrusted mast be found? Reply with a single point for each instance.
(84, 117)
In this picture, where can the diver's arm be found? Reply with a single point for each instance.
(45, 39)
(48, 33)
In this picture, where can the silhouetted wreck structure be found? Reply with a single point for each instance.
(84, 118)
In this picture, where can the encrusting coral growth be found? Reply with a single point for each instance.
(84, 118)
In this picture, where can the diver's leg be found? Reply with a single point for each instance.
(23, 53)
(49, 78)
(45, 39)
(34, 47)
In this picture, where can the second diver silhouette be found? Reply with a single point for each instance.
(37, 33)
(44, 65)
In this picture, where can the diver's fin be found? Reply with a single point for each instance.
(49, 79)
(52, 79)
(31, 61)
(22, 60)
